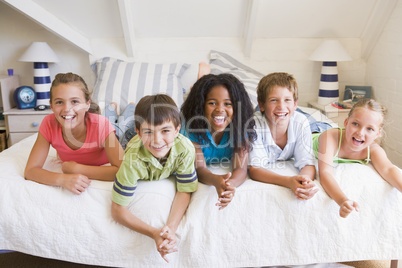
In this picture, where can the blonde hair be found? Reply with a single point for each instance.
(268, 83)
(371, 105)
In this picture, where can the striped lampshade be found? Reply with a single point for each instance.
(329, 52)
(40, 54)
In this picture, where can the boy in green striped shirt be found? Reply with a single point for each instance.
(157, 152)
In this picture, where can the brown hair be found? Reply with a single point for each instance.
(371, 105)
(71, 78)
(270, 81)
(156, 110)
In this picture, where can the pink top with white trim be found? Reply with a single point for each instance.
(92, 152)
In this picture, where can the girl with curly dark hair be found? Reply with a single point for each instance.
(218, 119)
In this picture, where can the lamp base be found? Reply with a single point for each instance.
(329, 86)
(325, 100)
(42, 83)
(41, 107)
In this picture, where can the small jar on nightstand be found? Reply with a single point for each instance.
(23, 123)
(333, 113)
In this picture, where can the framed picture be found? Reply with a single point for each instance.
(356, 93)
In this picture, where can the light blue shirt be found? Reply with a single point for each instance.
(299, 144)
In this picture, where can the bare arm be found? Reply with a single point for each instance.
(34, 171)
(122, 215)
(309, 171)
(301, 185)
(205, 175)
(115, 154)
(326, 151)
(165, 240)
(239, 171)
(329, 141)
(385, 168)
(179, 207)
(224, 187)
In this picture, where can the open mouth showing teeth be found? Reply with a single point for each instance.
(68, 117)
(357, 141)
(281, 114)
(158, 148)
(219, 119)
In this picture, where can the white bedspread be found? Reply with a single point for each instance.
(264, 225)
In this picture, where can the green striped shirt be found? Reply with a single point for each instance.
(139, 164)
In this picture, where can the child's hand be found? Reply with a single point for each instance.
(220, 183)
(347, 207)
(68, 167)
(224, 189)
(75, 183)
(303, 187)
(166, 241)
(226, 196)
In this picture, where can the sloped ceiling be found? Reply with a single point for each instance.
(80, 21)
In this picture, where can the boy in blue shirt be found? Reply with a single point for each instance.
(157, 152)
(282, 135)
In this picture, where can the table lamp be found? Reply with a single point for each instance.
(40, 54)
(329, 52)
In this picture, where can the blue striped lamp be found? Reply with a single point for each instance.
(329, 52)
(40, 54)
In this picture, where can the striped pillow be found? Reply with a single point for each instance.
(223, 63)
(124, 82)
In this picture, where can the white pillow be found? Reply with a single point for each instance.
(223, 63)
(124, 82)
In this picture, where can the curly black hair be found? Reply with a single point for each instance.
(242, 124)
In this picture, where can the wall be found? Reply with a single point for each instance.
(268, 55)
(17, 32)
(384, 73)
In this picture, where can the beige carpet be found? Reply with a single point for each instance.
(17, 260)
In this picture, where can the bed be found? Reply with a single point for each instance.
(265, 225)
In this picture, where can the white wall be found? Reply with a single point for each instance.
(267, 55)
(17, 32)
(384, 73)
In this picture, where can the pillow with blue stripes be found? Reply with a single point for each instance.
(124, 82)
(223, 63)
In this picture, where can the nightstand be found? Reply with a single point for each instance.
(23, 123)
(18, 124)
(333, 113)
(7, 86)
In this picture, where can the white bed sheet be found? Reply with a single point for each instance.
(264, 225)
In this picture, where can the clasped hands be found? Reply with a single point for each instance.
(303, 187)
(166, 241)
(225, 190)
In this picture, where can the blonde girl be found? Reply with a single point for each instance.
(355, 143)
(84, 141)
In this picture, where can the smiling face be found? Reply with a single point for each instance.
(362, 128)
(218, 108)
(279, 106)
(69, 105)
(158, 139)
